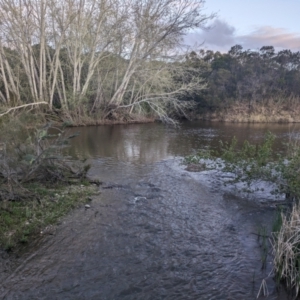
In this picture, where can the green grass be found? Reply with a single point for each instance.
(22, 221)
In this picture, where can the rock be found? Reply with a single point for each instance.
(87, 206)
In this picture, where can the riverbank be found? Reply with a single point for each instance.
(244, 117)
(39, 183)
(112, 119)
(286, 111)
(37, 117)
(21, 222)
(236, 113)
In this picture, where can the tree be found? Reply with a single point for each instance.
(86, 54)
(247, 77)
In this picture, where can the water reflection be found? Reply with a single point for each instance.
(124, 142)
(148, 143)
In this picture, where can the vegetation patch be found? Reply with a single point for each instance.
(286, 250)
(255, 162)
(244, 85)
(22, 221)
(278, 109)
(38, 182)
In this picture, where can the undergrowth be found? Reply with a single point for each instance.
(38, 182)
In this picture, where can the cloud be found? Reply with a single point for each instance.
(219, 35)
(222, 36)
(270, 36)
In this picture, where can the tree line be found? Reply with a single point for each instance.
(246, 76)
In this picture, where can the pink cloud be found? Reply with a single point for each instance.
(267, 35)
(222, 36)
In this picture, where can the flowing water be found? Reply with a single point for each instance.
(154, 232)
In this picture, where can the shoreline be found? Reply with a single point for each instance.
(257, 113)
(25, 221)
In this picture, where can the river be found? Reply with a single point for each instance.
(155, 231)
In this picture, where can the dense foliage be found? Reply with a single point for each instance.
(247, 76)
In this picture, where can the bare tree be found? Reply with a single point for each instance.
(96, 53)
(156, 30)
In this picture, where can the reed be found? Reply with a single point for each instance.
(279, 109)
(286, 250)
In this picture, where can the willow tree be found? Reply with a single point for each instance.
(96, 54)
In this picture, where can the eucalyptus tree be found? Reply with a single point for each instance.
(251, 77)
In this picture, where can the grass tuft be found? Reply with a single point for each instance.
(286, 250)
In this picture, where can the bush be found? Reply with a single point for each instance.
(34, 155)
(38, 183)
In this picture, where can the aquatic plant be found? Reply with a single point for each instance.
(257, 162)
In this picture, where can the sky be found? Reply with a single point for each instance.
(251, 24)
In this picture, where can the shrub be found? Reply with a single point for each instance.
(34, 155)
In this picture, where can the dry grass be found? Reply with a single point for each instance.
(271, 110)
(286, 250)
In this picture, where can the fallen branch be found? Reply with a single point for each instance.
(21, 106)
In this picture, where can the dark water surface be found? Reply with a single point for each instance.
(153, 232)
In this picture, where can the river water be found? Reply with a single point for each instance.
(154, 232)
